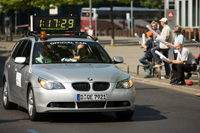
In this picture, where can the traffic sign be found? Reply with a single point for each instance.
(170, 14)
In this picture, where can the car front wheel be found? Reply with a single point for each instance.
(6, 103)
(32, 113)
(124, 115)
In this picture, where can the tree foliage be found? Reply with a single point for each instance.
(158, 4)
(22, 5)
(151, 3)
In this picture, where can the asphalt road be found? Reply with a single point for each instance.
(158, 110)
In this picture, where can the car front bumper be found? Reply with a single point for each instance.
(65, 100)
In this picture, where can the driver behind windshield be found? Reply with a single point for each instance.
(81, 52)
(42, 58)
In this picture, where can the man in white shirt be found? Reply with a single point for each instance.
(185, 62)
(166, 35)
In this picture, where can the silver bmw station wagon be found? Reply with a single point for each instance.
(65, 74)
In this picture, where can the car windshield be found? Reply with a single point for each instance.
(69, 52)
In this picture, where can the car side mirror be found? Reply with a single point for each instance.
(118, 59)
(20, 60)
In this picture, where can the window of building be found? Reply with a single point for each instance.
(180, 12)
(186, 13)
(171, 4)
(194, 12)
(198, 10)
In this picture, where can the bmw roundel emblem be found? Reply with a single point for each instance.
(90, 79)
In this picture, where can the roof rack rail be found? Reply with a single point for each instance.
(82, 34)
(74, 34)
(28, 33)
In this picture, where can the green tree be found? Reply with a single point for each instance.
(158, 4)
(69, 3)
(22, 5)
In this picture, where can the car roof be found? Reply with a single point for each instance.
(56, 38)
(69, 39)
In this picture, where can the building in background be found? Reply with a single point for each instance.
(187, 15)
(187, 12)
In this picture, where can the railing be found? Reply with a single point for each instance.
(187, 33)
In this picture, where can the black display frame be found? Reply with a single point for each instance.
(42, 23)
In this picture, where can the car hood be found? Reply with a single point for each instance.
(79, 72)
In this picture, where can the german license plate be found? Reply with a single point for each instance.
(92, 97)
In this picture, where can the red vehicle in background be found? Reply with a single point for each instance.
(101, 18)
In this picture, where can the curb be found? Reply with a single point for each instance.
(184, 88)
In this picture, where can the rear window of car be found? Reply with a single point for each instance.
(69, 52)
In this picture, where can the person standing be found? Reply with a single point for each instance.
(154, 26)
(166, 35)
(7, 29)
(146, 59)
(178, 38)
(185, 62)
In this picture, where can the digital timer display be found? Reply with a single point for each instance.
(53, 24)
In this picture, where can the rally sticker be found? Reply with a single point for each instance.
(67, 42)
(19, 79)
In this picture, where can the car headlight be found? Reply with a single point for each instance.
(49, 85)
(125, 84)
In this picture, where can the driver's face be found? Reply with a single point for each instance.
(81, 50)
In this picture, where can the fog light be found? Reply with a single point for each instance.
(125, 103)
(52, 104)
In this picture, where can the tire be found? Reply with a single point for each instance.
(125, 115)
(32, 113)
(6, 103)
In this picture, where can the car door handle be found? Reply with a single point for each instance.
(8, 66)
(16, 69)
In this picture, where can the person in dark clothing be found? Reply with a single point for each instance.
(146, 59)
(189, 74)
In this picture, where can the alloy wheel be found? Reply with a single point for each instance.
(30, 103)
(5, 93)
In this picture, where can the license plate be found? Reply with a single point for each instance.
(92, 97)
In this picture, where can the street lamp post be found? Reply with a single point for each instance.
(90, 5)
(95, 16)
(131, 18)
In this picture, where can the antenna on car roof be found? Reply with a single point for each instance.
(79, 33)
(28, 33)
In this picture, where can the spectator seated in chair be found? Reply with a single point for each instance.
(197, 61)
(185, 62)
